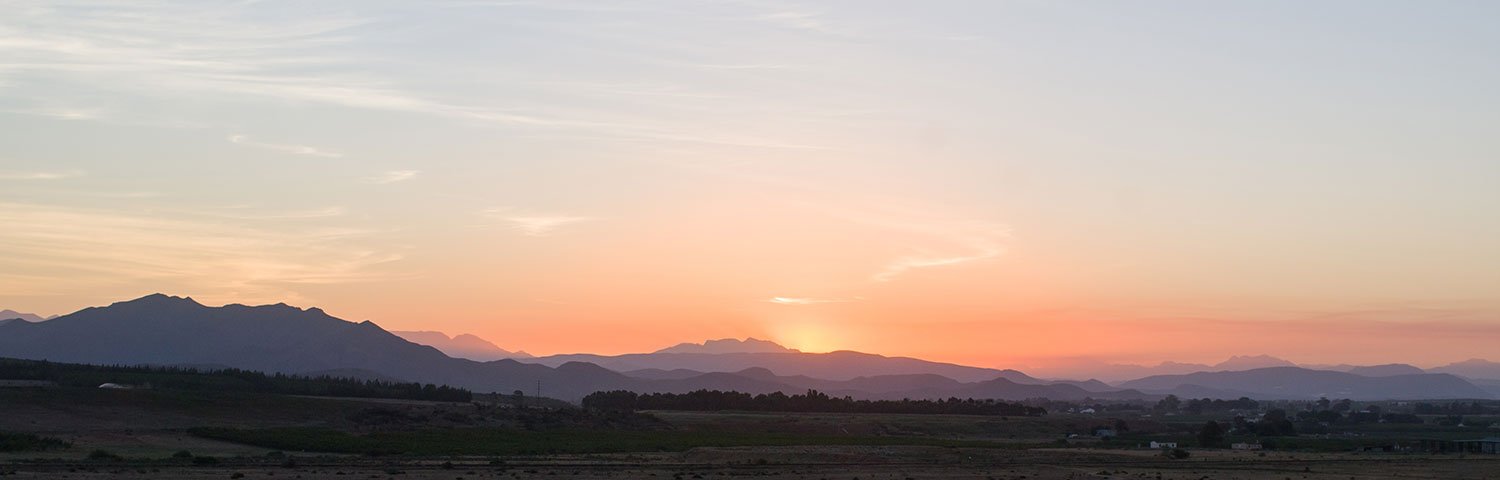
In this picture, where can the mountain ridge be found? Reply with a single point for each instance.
(463, 345)
(163, 330)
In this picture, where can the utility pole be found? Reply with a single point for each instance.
(538, 392)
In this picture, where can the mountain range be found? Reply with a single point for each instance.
(1296, 383)
(30, 317)
(165, 330)
(728, 345)
(461, 346)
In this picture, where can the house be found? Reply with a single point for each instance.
(1483, 445)
(1104, 432)
(1160, 445)
(1087, 411)
(1245, 446)
(115, 386)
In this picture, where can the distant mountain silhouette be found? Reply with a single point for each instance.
(841, 365)
(728, 345)
(659, 374)
(30, 317)
(1010, 390)
(930, 386)
(1472, 368)
(460, 346)
(1299, 384)
(1250, 362)
(1116, 373)
(163, 330)
(1387, 370)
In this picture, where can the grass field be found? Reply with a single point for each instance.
(486, 441)
(202, 435)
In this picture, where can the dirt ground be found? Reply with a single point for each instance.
(811, 463)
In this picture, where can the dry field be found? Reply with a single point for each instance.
(145, 429)
(847, 463)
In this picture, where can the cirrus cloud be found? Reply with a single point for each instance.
(56, 175)
(530, 224)
(245, 140)
(392, 176)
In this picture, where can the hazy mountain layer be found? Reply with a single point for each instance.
(461, 346)
(1301, 383)
(843, 365)
(728, 345)
(163, 330)
(12, 314)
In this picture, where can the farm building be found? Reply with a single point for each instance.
(1489, 445)
(1483, 445)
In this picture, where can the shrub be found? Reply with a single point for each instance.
(104, 455)
(21, 442)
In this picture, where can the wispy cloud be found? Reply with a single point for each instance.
(303, 54)
(245, 140)
(535, 225)
(744, 66)
(324, 212)
(968, 242)
(810, 301)
(934, 239)
(60, 113)
(803, 20)
(41, 175)
(392, 176)
(58, 248)
(540, 226)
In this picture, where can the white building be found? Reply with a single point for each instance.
(1159, 445)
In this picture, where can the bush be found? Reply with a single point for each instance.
(205, 461)
(1177, 454)
(104, 455)
(182, 454)
(21, 442)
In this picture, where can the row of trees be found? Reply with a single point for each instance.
(1454, 408)
(1196, 406)
(812, 401)
(1274, 423)
(224, 380)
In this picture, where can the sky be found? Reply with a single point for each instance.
(998, 183)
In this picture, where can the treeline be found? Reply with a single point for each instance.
(1454, 408)
(812, 401)
(1196, 406)
(223, 380)
(24, 442)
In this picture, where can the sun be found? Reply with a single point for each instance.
(807, 337)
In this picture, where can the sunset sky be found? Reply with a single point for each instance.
(997, 183)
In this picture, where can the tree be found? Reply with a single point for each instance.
(1275, 423)
(1169, 404)
(519, 398)
(1211, 435)
(1324, 403)
(1343, 405)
